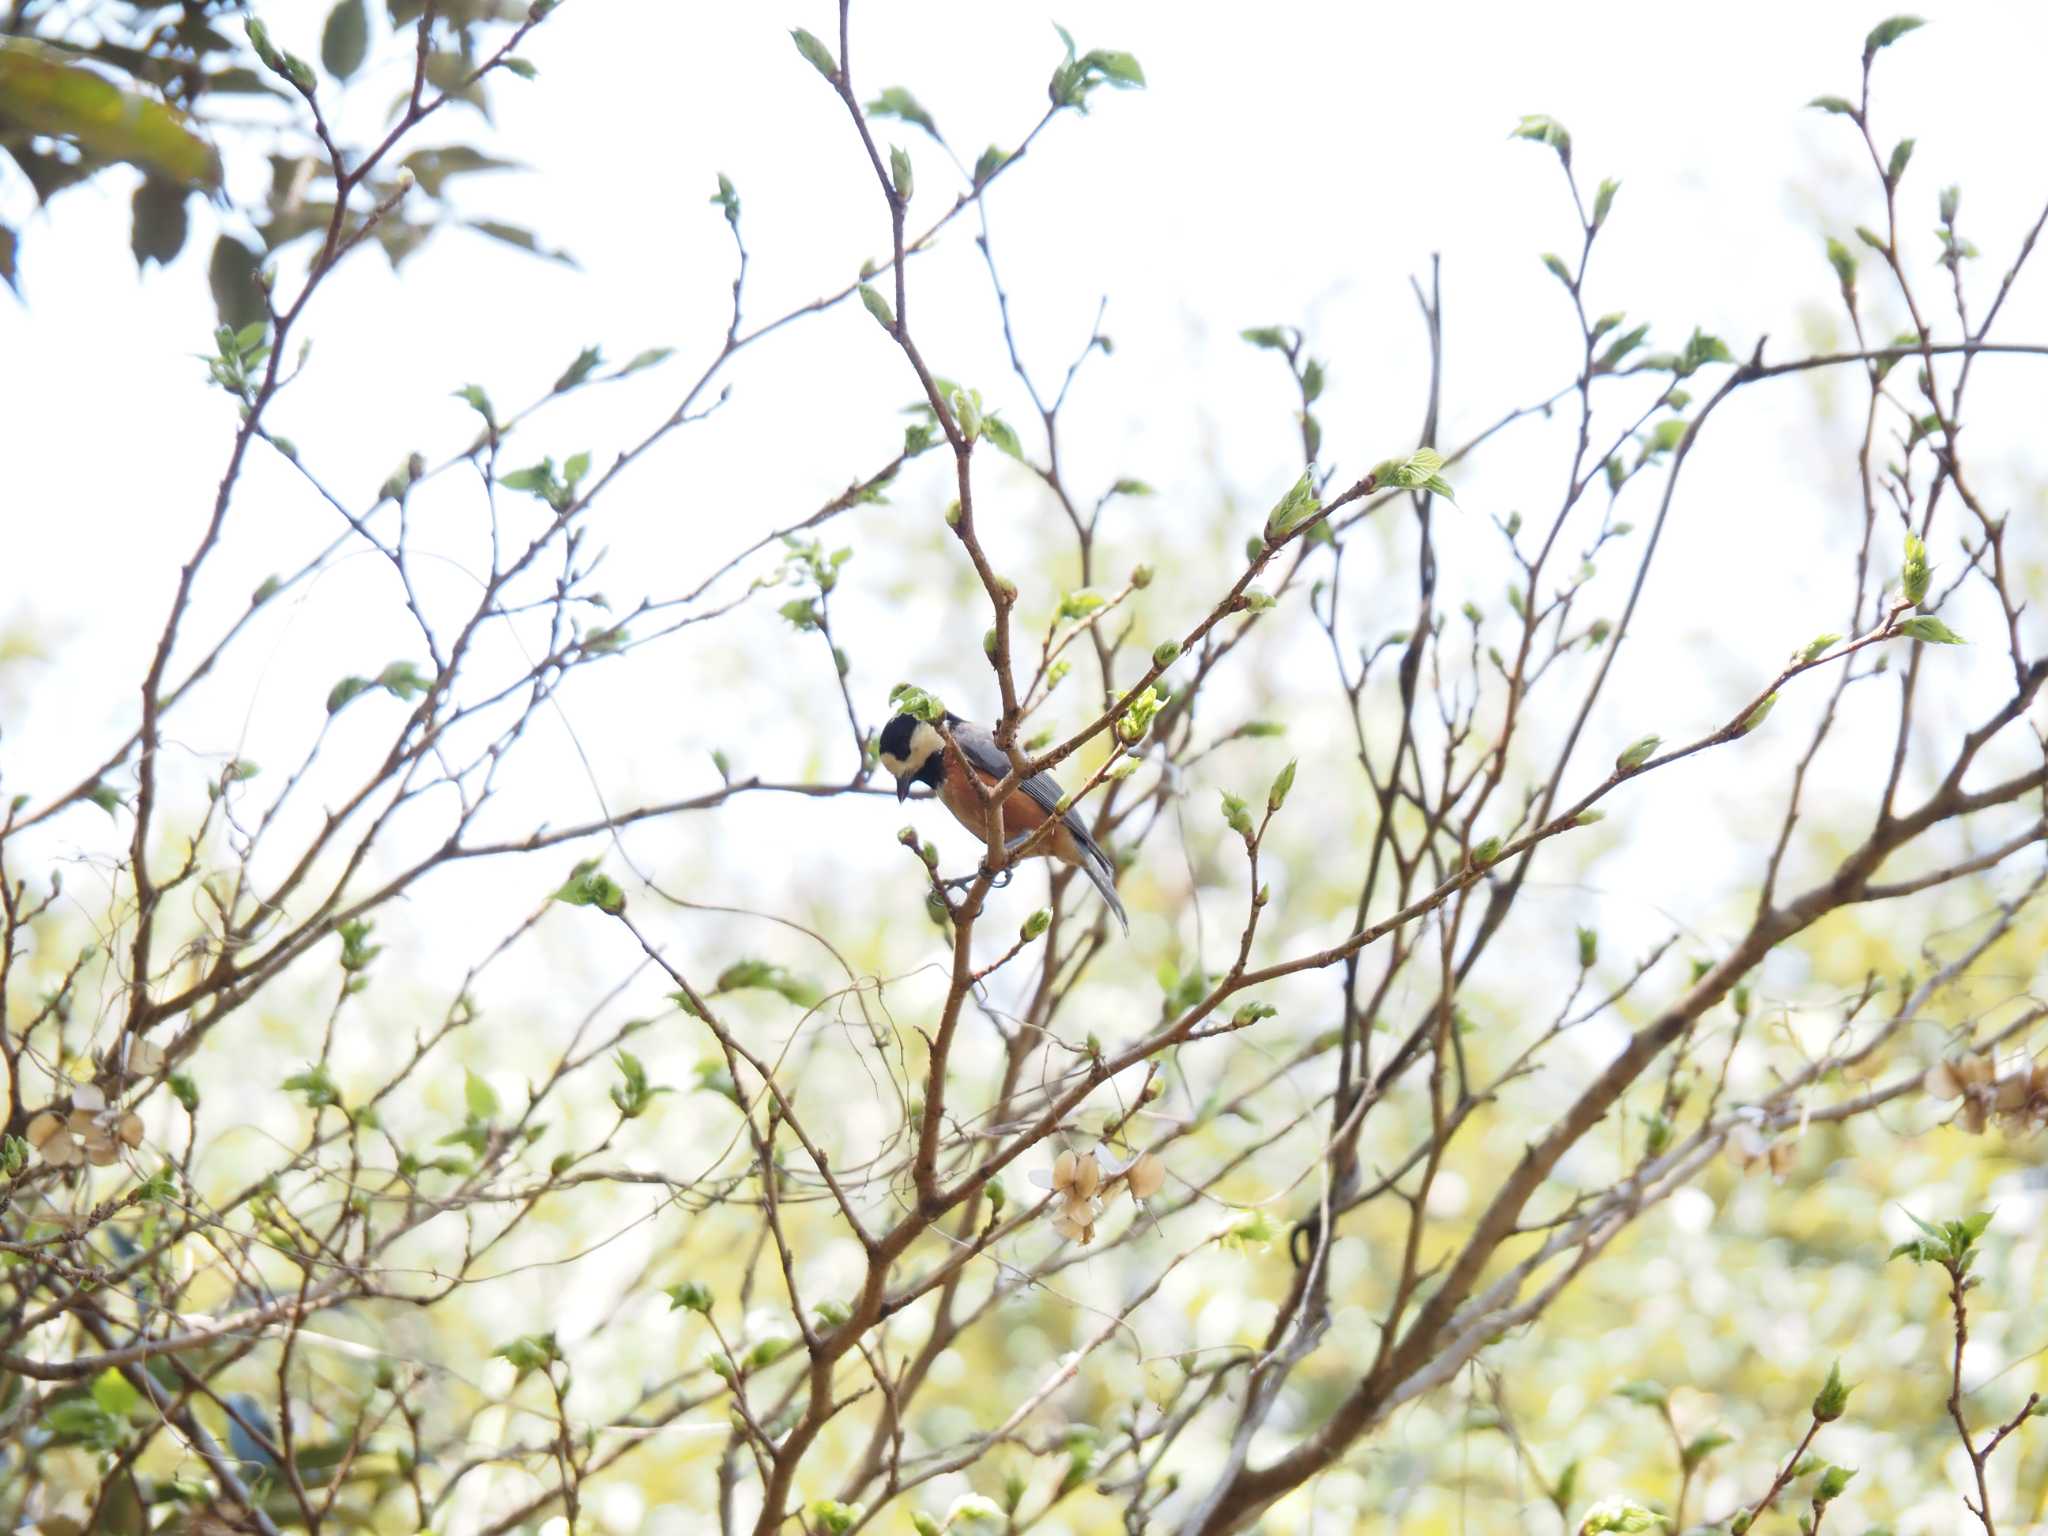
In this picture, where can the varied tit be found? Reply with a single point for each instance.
(916, 753)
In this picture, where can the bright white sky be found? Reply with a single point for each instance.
(1296, 166)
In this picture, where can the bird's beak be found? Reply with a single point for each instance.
(903, 789)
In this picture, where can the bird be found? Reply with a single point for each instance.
(916, 753)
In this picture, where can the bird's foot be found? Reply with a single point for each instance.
(1002, 879)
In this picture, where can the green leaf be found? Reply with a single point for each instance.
(1636, 753)
(574, 468)
(1589, 947)
(1299, 504)
(1603, 200)
(898, 103)
(1843, 260)
(523, 68)
(231, 274)
(585, 364)
(1238, 815)
(1757, 715)
(529, 1352)
(1620, 348)
(1649, 1394)
(1311, 382)
(345, 690)
(728, 199)
(689, 1297)
(588, 887)
(110, 1389)
(478, 401)
(758, 975)
(1272, 337)
(1916, 574)
(479, 1098)
(1003, 435)
(1283, 785)
(817, 53)
(991, 160)
(1545, 130)
(1819, 646)
(157, 225)
(879, 308)
(345, 40)
(1835, 104)
(1885, 33)
(1833, 1397)
(1701, 349)
(1417, 472)
(900, 175)
(316, 1084)
(1925, 627)
(1902, 153)
(43, 92)
(431, 168)
(523, 239)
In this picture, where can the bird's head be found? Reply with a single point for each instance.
(914, 752)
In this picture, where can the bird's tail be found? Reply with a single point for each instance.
(1095, 863)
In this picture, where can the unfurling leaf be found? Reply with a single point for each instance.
(879, 308)
(1902, 152)
(1885, 33)
(1545, 130)
(1283, 784)
(1843, 260)
(1637, 753)
(817, 53)
(1926, 628)
(1914, 578)
(898, 103)
(1603, 200)
(1299, 504)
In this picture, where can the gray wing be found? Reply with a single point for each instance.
(978, 745)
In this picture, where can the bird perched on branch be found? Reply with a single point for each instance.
(916, 753)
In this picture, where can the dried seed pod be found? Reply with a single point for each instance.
(1146, 1177)
(87, 1096)
(1087, 1175)
(102, 1153)
(60, 1151)
(42, 1128)
(130, 1129)
(1063, 1168)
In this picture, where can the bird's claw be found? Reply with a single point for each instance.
(1002, 878)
